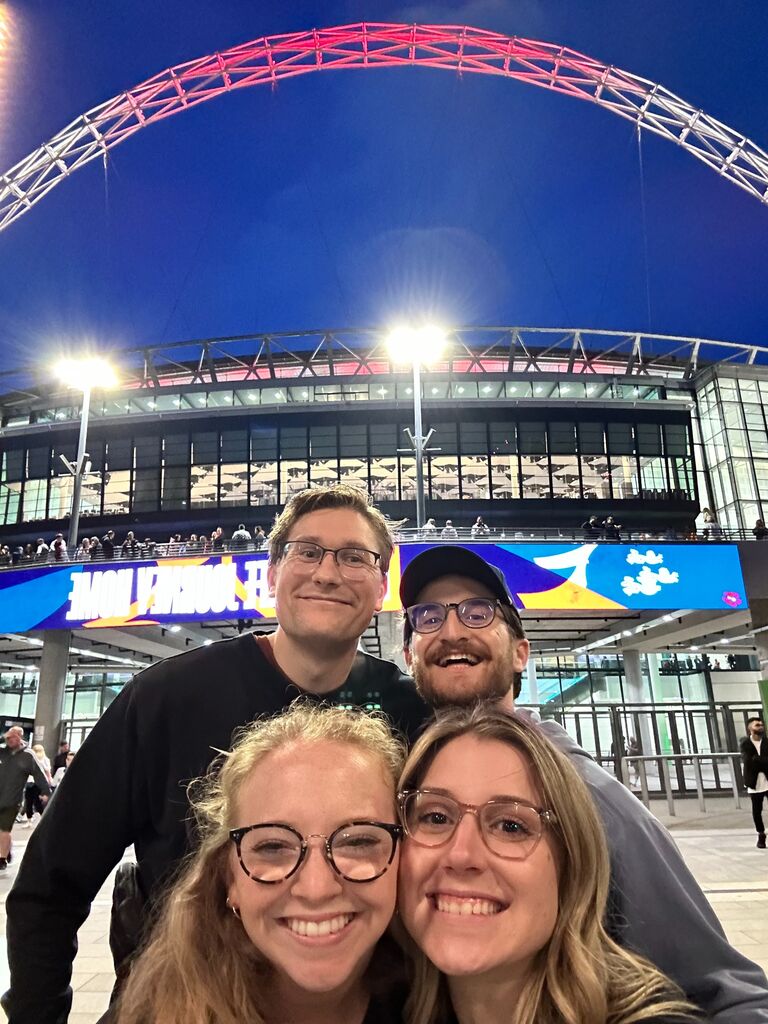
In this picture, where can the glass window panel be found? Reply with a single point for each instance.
(119, 454)
(572, 390)
(503, 438)
(204, 486)
(116, 488)
(591, 438)
(444, 476)
(301, 393)
(532, 438)
(219, 399)
(234, 446)
(737, 442)
(233, 484)
(58, 467)
(621, 439)
(727, 389)
(60, 502)
(519, 389)
(147, 452)
(474, 477)
(380, 392)
(534, 471)
(293, 443)
(175, 487)
(648, 438)
(273, 396)
(732, 415)
(176, 450)
(562, 438)
(505, 476)
(28, 705)
(9, 704)
(10, 496)
(13, 465)
(464, 390)
(205, 447)
(38, 461)
(473, 438)
(323, 471)
(408, 478)
(444, 438)
(761, 472)
(384, 478)
(264, 483)
(353, 441)
(146, 490)
(35, 496)
(595, 477)
(384, 438)
(676, 438)
(87, 704)
(653, 477)
(263, 443)
(492, 390)
(745, 488)
(322, 442)
(623, 477)
(352, 392)
(354, 472)
(544, 389)
(565, 476)
(435, 389)
(294, 477)
(749, 391)
(681, 479)
(167, 402)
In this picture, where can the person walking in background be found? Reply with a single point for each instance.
(33, 802)
(712, 530)
(16, 764)
(61, 758)
(754, 758)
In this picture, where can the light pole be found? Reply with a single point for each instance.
(417, 345)
(85, 375)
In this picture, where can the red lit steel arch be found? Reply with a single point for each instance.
(450, 47)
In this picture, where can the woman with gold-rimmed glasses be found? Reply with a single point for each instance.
(504, 882)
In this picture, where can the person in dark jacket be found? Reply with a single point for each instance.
(16, 765)
(754, 759)
(464, 641)
(329, 553)
(593, 528)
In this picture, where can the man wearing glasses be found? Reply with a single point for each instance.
(328, 556)
(464, 641)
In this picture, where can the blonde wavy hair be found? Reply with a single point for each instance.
(581, 976)
(198, 965)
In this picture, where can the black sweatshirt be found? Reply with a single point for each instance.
(127, 786)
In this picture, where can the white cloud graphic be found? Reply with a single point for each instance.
(649, 558)
(648, 582)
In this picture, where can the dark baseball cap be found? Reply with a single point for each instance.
(451, 560)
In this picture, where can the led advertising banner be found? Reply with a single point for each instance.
(558, 577)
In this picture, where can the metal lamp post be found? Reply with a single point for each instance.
(417, 345)
(84, 374)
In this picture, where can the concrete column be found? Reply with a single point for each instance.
(50, 691)
(633, 676)
(533, 681)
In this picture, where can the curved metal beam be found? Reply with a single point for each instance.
(369, 45)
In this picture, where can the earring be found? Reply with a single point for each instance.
(234, 910)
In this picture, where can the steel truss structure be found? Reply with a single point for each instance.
(359, 353)
(368, 45)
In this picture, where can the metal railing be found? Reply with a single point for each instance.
(638, 764)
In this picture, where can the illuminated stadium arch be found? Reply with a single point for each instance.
(368, 45)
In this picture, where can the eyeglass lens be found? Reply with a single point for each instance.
(475, 613)
(509, 828)
(269, 853)
(350, 559)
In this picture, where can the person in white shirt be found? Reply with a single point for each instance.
(754, 757)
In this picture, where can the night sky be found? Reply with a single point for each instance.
(356, 198)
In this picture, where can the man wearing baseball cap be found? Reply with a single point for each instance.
(464, 641)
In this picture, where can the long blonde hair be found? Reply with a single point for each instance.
(581, 976)
(199, 966)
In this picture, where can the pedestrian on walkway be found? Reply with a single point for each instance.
(754, 758)
(16, 764)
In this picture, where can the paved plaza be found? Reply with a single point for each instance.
(718, 848)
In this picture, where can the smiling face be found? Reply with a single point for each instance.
(316, 603)
(316, 929)
(458, 664)
(472, 912)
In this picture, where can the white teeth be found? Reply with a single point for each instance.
(467, 906)
(311, 929)
(459, 659)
